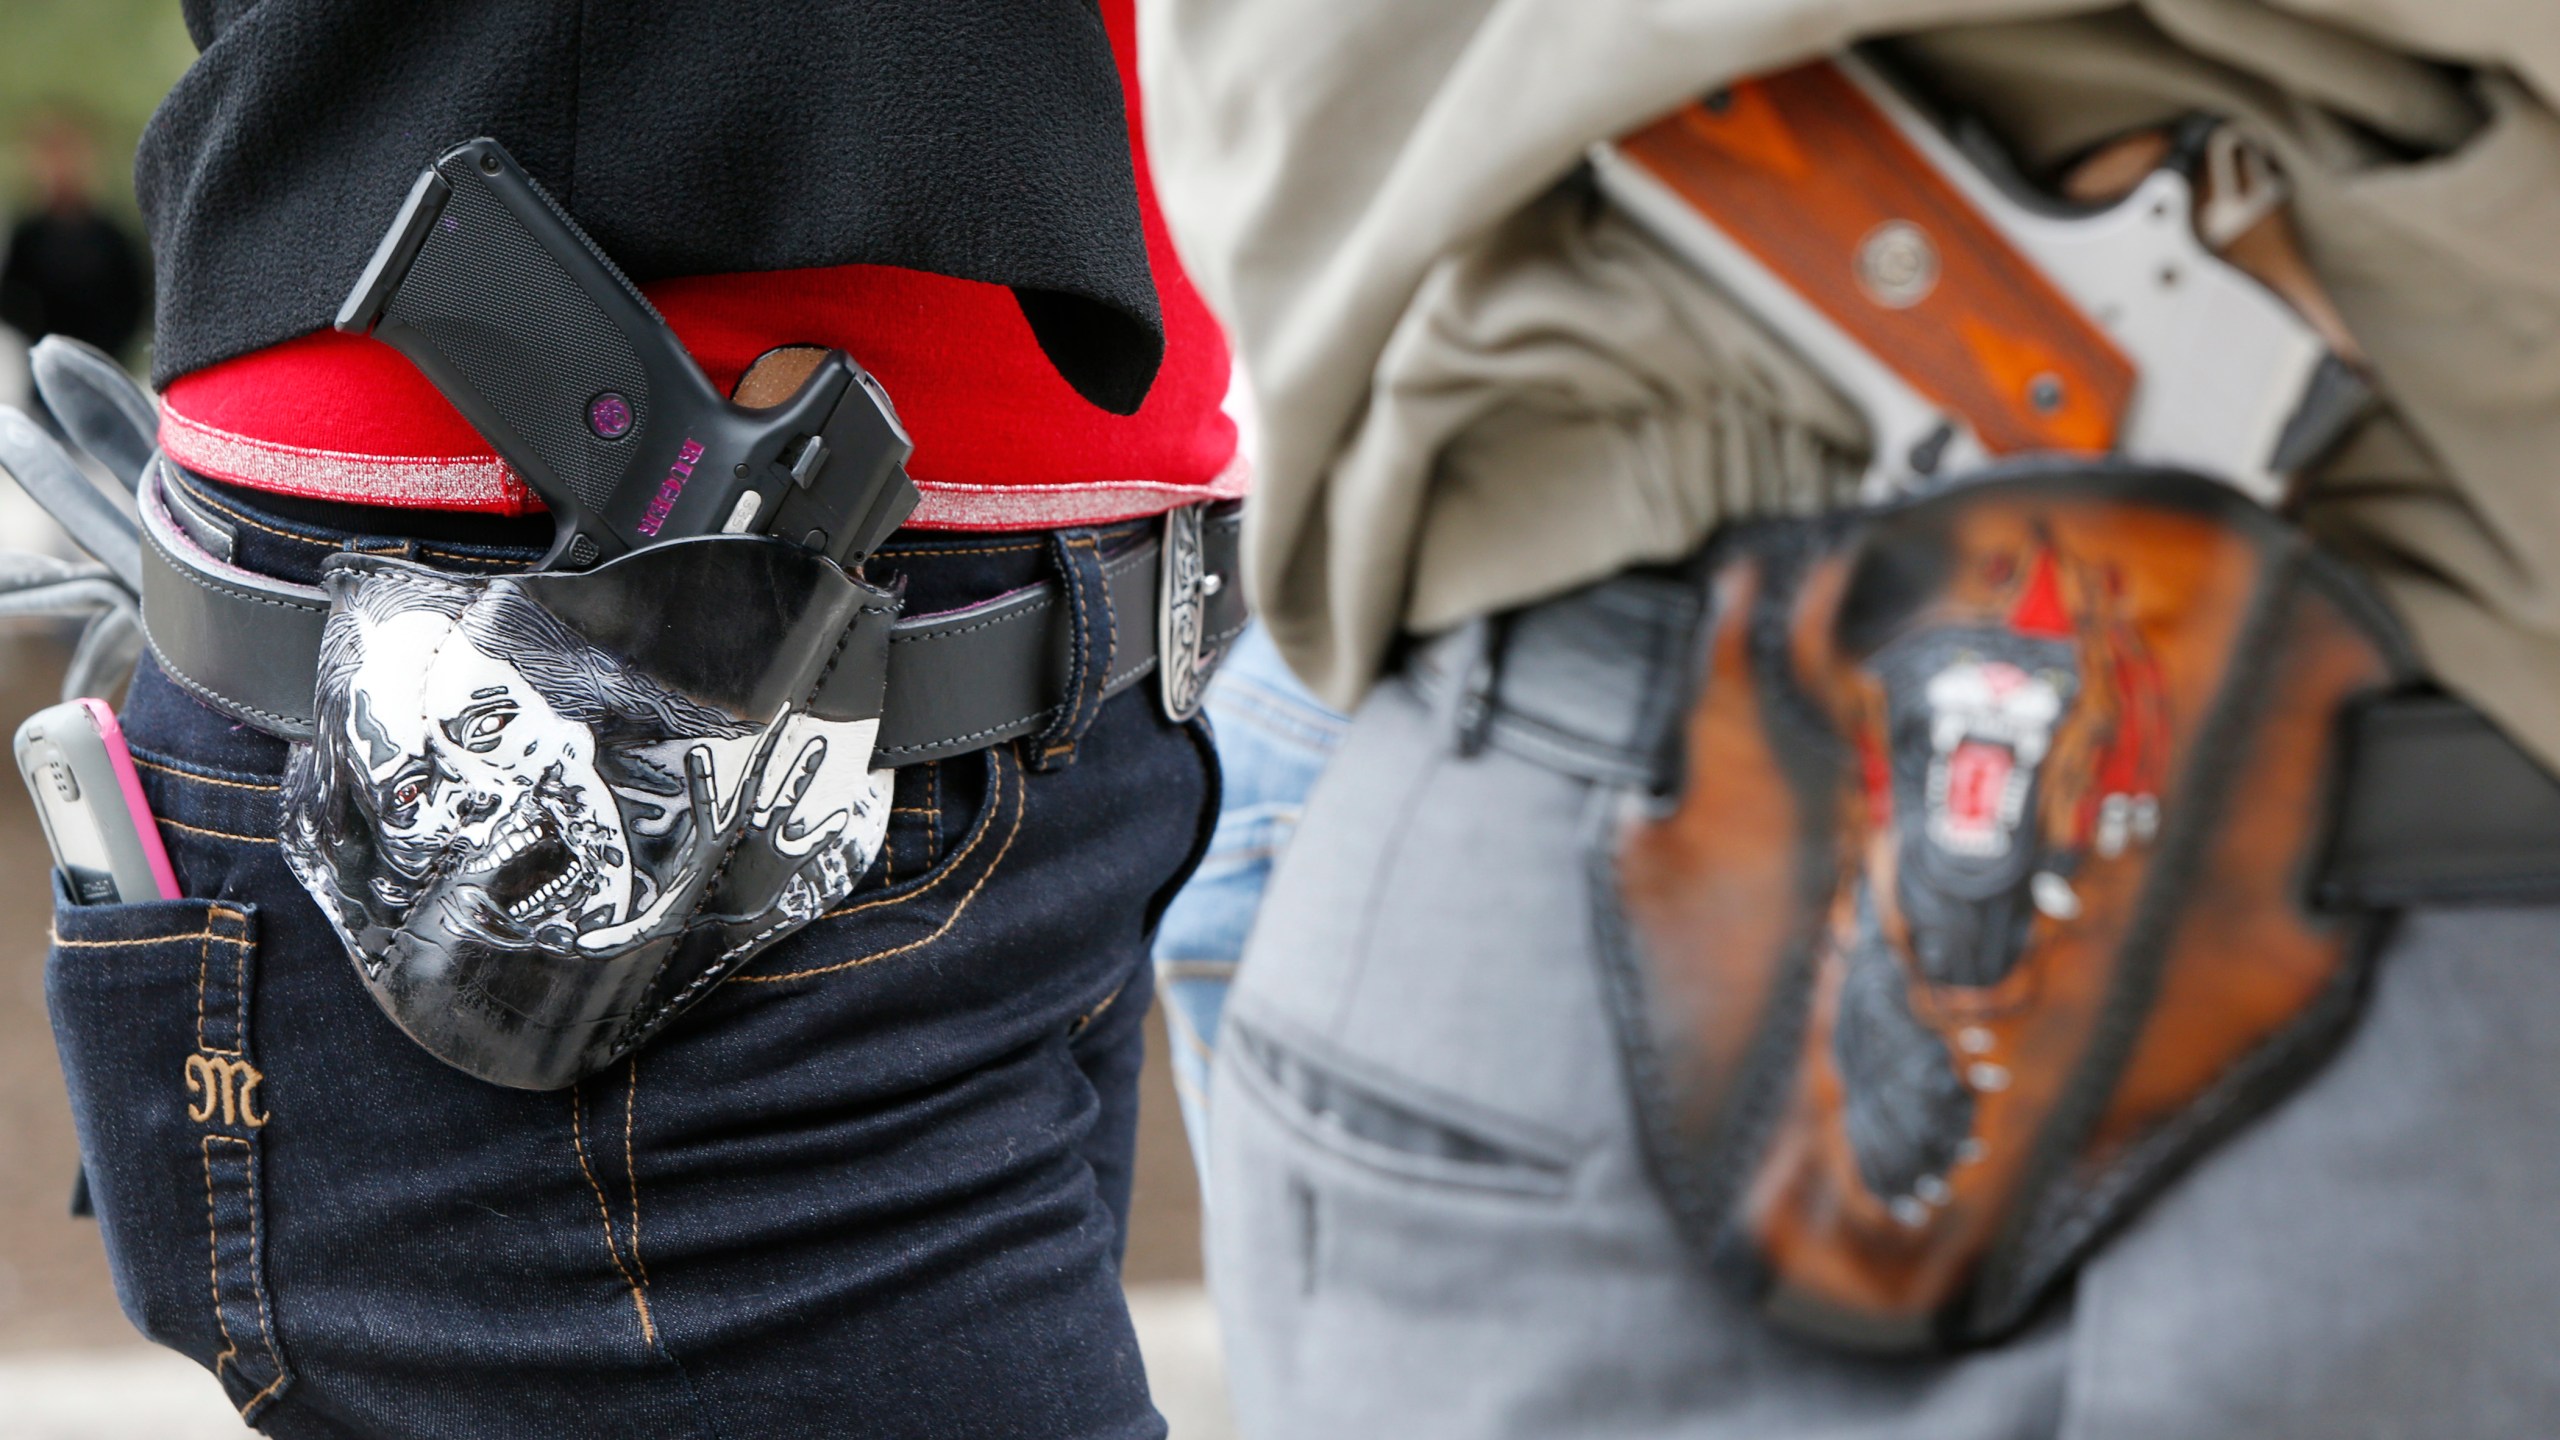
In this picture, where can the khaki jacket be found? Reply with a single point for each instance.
(1477, 388)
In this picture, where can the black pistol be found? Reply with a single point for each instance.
(549, 350)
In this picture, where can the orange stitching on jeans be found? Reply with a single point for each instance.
(257, 1269)
(941, 930)
(272, 1387)
(933, 797)
(499, 564)
(239, 994)
(1189, 1035)
(995, 796)
(213, 1274)
(390, 547)
(1085, 1021)
(204, 965)
(612, 1242)
(210, 503)
(200, 779)
(631, 1167)
(57, 940)
(213, 1262)
(216, 834)
(932, 554)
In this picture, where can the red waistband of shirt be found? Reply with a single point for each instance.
(1001, 441)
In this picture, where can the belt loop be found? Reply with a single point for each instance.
(1475, 672)
(1093, 634)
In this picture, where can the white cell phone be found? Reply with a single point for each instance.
(89, 798)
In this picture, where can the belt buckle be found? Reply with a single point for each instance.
(1184, 585)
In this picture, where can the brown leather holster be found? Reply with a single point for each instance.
(1983, 901)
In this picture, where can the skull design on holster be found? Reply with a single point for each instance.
(547, 811)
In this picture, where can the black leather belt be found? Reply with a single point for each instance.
(2434, 804)
(2439, 807)
(958, 681)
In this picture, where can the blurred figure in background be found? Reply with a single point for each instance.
(1273, 740)
(71, 268)
(1507, 442)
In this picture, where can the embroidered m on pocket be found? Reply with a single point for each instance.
(152, 1008)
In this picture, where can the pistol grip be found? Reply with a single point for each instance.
(536, 337)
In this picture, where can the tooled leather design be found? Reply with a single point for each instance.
(1983, 909)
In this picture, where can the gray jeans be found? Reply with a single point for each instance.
(1430, 1216)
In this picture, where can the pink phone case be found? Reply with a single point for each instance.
(145, 828)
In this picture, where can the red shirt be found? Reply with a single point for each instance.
(1001, 441)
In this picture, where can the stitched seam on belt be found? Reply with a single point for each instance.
(216, 698)
(1131, 676)
(843, 643)
(1037, 607)
(225, 588)
(179, 567)
(1140, 665)
(1111, 689)
(991, 732)
(1129, 560)
(1040, 606)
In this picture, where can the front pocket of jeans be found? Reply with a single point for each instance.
(885, 920)
(1388, 1128)
(151, 1008)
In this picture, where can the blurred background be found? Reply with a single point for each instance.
(77, 80)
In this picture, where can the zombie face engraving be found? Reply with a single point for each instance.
(482, 763)
(483, 783)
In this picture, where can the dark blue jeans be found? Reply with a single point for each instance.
(875, 1184)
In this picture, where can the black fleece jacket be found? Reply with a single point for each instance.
(983, 139)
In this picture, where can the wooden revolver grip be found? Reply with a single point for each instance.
(1809, 175)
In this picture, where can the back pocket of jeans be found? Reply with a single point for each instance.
(152, 1008)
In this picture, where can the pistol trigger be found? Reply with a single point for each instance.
(804, 466)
